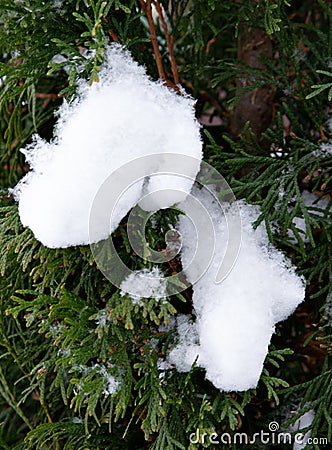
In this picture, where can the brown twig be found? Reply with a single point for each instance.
(209, 44)
(169, 41)
(113, 35)
(146, 7)
(47, 96)
(111, 32)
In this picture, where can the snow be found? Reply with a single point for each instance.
(324, 150)
(111, 384)
(164, 368)
(187, 350)
(236, 318)
(325, 147)
(300, 424)
(316, 206)
(102, 317)
(57, 4)
(328, 307)
(58, 59)
(145, 284)
(77, 420)
(124, 117)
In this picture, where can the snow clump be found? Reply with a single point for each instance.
(145, 283)
(123, 117)
(236, 318)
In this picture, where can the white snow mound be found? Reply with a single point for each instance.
(124, 116)
(235, 319)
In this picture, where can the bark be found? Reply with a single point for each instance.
(257, 105)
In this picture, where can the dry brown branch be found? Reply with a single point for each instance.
(146, 8)
(169, 41)
(208, 46)
(111, 32)
(113, 35)
(47, 96)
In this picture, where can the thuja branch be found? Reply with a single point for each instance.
(8, 395)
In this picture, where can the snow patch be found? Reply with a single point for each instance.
(111, 384)
(302, 423)
(314, 203)
(325, 148)
(235, 319)
(123, 117)
(145, 284)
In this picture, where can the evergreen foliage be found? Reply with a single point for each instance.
(68, 337)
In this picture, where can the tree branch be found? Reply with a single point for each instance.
(169, 41)
(146, 7)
